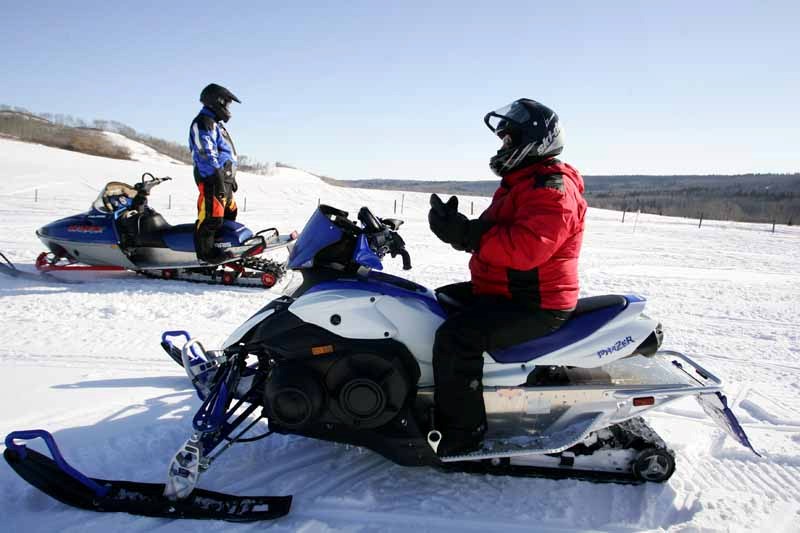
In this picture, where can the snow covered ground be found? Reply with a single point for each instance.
(139, 152)
(84, 362)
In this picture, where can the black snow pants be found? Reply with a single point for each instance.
(215, 203)
(479, 324)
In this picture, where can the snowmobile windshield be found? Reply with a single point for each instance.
(113, 196)
(512, 115)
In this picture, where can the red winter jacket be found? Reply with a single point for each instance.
(531, 253)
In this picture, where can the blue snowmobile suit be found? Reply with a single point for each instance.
(214, 158)
(211, 145)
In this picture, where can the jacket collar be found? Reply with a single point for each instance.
(206, 111)
(540, 168)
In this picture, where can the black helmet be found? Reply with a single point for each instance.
(530, 132)
(216, 98)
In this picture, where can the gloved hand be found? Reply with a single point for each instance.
(230, 175)
(218, 182)
(454, 228)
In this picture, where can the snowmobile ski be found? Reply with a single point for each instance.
(10, 269)
(56, 478)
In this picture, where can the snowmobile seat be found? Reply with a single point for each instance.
(179, 237)
(595, 303)
(153, 223)
(590, 315)
(151, 228)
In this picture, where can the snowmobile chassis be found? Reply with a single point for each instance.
(249, 270)
(594, 433)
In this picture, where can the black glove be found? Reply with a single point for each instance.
(230, 175)
(218, 183)
(454, 228)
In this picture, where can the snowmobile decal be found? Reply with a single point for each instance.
(79, 228)
(617, 346)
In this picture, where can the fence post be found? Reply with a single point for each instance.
(773, 226)
(35, 195)
(169, 204)
(402, 202)
(245, 204)
(472, 207)
(623, 215)
(318, 200)
(701, 220)
(395, 206)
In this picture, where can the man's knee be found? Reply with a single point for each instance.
(458, 353)
(209, 225)
(452, 335)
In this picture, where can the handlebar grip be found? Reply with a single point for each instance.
(370, 221)
(406, 258)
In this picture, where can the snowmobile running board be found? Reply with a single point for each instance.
(58, 479)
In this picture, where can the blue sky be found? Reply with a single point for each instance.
(399, 89)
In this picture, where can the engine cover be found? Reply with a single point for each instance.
(293, 396)
(368, 390)
(357, 390)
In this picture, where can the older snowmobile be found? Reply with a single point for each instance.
(345, 356)
(121, 232)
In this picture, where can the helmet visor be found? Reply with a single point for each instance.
(511, 116)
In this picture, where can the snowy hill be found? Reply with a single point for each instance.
(139, 152)
(84, 362)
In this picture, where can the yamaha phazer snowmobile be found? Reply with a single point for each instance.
(121, 232)
(345, 356)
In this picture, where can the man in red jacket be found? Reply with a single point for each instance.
(524, 264)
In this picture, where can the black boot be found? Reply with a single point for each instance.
(215, 257)
(460, 442)
(204, 245)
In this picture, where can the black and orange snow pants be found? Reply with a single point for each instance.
(213, 206)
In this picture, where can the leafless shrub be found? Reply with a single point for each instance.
(25, 128)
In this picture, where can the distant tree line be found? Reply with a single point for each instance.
(81, 130)
(30, 128)
(743, 197)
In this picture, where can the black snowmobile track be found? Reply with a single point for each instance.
(213, 275)
(144, 499)
(486, 467)
(634, 433)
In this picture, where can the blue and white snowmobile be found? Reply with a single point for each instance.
(345, 356)
(121, 232)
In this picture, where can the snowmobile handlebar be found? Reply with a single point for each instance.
(383, 236)
(148, 182)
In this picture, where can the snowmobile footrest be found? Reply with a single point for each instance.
(560, 440)
(145, 499)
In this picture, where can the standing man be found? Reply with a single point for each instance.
(524, 264)
(214, 158)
